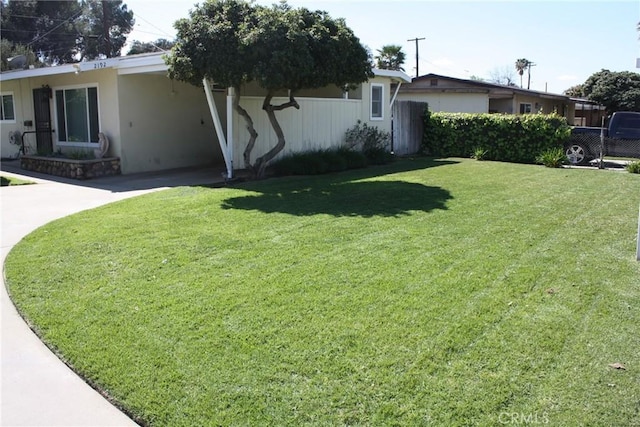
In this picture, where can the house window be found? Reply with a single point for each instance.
(77, 115)
(377, 101)
(525, 108)
(433, 82)
(7, 110)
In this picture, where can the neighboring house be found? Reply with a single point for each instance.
(455, 95)
(155, 123)
(588, 113)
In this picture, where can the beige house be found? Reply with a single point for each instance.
(155, 123)
(455, 95)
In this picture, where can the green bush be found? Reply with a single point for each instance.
(318, 162)
(374, 143)
(479, 153)
(508, 138)
(633, 167)
(333, 160)
(552, 157)
(354, 159)
(80, 155)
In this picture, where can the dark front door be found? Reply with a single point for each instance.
(42, 108)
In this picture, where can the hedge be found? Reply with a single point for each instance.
(503, 137)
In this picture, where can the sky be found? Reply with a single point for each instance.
(567, 41)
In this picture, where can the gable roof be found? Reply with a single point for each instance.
(471, 86)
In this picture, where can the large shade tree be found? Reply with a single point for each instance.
(617, 91)
(574, 91)
(66, 31)
(232, 42)
(105, 25)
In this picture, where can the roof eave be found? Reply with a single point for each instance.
(396, 75)
(134, 64)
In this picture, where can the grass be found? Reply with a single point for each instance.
(6, 181)
(426, 292)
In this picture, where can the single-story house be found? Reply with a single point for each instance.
(454, 95)
(155, 123)
(588, 113)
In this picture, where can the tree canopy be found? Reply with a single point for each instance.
(66, 31)
(390, 57)
(521, 65)
(617, 91)
(233, 42)
(502, 76)
(160, 45)
(575, 91)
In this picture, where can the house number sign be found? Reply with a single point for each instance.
(95, 65)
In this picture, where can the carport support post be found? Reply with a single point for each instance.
(231, 93)
(224, 144)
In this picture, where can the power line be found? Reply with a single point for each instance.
(55, 28)
(135, 15)
(12, 15)
(149, 32)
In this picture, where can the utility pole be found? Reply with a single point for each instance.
(417, 55)
(529, 65)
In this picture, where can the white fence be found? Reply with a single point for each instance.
(319, 123)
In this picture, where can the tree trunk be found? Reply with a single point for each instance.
(261, 163)
(106, 25)
(250, 127)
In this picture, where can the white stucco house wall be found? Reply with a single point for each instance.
(155, 123)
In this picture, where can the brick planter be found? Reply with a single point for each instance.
(70, 168)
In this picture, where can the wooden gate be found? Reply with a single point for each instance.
(407, 127)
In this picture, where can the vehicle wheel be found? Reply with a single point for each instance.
(576, 154)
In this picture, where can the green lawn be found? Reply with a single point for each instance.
(427, 292)
(6, 181)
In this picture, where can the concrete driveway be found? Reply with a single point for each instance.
(37, 388)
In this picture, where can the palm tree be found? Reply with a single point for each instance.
(521, 65)
(390, 57)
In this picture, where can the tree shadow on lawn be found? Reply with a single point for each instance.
(343, 194)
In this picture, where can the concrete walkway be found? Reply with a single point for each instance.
(37, 388)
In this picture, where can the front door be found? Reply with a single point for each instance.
(42, 108)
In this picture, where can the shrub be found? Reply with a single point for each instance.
(354, 159)
(508, 138)
(374, 143)
(633, 167)
(552, 157)
(318, 162)
(479, 153)
(333, 160)
(79, 155)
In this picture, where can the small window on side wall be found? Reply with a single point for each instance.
(377, 101)
(525, 108)
(7, 110)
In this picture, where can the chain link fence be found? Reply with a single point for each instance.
(583, 147)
